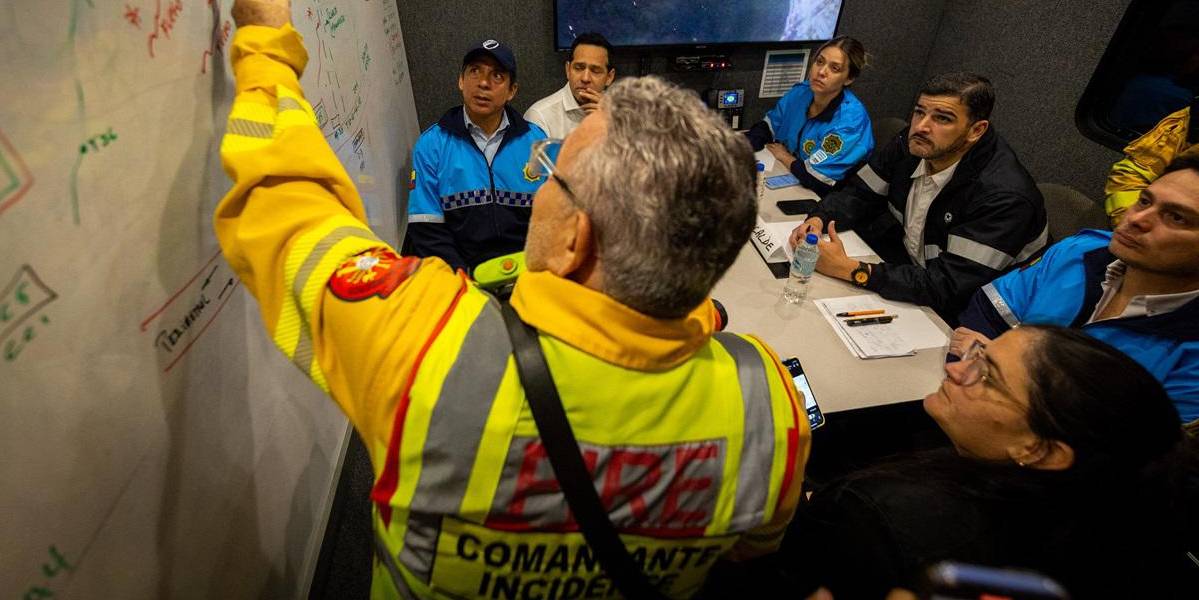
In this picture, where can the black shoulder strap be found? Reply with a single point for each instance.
(567, 460)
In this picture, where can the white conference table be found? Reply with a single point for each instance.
(840, 381)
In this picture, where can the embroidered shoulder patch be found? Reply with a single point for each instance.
(831, 144)
(376, 272)
(809, 146)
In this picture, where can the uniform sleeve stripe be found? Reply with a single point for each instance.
(817, 174)
(873, 181)
(769, 125)
(1034, 246)
(322, 261)
(979, 252)
(426, 218)
(1001, 305)
(250, 128)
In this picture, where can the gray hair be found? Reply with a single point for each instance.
(670, 193)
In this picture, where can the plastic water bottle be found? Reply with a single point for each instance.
(803, 263)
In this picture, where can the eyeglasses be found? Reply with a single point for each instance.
(976, 368)
(542, 158)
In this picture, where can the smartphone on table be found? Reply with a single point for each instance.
(815, 417)
(781, 181)
(796, 207)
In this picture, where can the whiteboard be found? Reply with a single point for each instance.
(153, 443)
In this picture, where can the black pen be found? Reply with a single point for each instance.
(871, 320)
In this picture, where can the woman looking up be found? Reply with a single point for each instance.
(820, 130)
(1067, 459)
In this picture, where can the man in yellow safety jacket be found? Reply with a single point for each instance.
(695, 439)
(1146, 158)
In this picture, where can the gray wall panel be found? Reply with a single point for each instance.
(1040, 56)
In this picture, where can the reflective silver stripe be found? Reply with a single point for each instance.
(452, 441)
(389, 562)
(288, 104)
(931, 251)
(753, 475)
(426, 218)
(769, 125)
(818, 175)
(250, 128)
(1000, 305)
(895, 213)
(1034, 246)
(302, 357)
(874, 182)
(978, 252)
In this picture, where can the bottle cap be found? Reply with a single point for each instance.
(812, 239)
(761, 166)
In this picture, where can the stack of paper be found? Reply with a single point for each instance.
(911, 331)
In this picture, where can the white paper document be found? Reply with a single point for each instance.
(772, 240)
(911, 331)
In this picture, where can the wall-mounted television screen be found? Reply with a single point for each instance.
(640, 23)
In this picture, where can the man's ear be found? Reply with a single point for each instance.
(611, 77)
(977, 129)
(578, 247)
(1049, 455)
(512, 91)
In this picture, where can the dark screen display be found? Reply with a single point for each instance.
(692, 22)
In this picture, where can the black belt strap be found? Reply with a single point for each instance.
(567, 460)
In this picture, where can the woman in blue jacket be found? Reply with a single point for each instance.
(820, 130)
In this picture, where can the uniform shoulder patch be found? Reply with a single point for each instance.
(809, 146)
(376, 272)
(832, 143)
(412, 180)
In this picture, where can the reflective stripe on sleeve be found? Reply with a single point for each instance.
(979, 252)
(753, 475)
(426, 218)
(1000, 305)
(873, 181)
(931, 251)
(818, 175)
(1034, 246)
(895, 213)
(769, 125)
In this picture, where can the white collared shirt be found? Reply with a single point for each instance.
(488, 144)
(558, 113)
(924, 190)
(1146, 305)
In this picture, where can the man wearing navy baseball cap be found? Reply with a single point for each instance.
(470, 196)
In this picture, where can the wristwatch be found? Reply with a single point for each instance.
(860, 276)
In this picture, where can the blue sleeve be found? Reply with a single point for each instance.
(424, 204)
(841, 151)
(781, 117)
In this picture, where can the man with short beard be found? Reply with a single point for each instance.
(1136, 288)
(965, 209)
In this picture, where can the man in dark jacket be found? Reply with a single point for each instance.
(965, 209)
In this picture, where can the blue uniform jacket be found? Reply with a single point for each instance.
(1064, 287)
(828, 146)
(459, 207)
